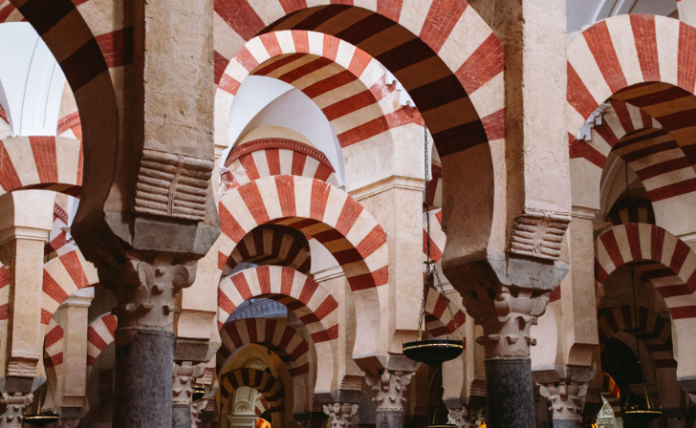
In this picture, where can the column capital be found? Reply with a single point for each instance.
(464, 416)
(390, 387)
(341, 414)
(145, 286)
(566, 399)
(184, 375)
(12, 407)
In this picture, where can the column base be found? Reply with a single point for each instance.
(181, 416)
(566, 423)
(389, 419)
(143, 387)
(510, 394)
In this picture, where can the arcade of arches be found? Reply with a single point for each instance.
(212, 212)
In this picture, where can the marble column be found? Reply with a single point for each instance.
(341, 414)
(12, 407)
(145, 288)
(566, 400)
(184, 377)
(390, 388)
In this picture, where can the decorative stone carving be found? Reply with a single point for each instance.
(172, 185)
(506, 319)
(146, 290)
(464, 417)
(390, 387)
(341, 414)
(22, 367)
(539, 234)
(12, 407)
(565, 398)
(184, 376)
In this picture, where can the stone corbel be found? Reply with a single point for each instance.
(12, 407)
(390, 387)
(341, 414)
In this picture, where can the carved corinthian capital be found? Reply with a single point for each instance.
(145, 289)
(184, 376)
(389, 387)
(341, 414)
(465, 417)
(12, 408)
(506, 318)
(565, 399)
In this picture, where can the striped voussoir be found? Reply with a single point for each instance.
(309, 300)
(354, 91)
(636, 242)
(48, 163)
(277, 335)
(319, 210)
(9, 13)
(438, 239)
(70, 126)
(276, 156)
(4, 307)
(626, 58)
(100, 334)
(261, 405)
(611, 393)
(54, 345)
(654, 331)
(270, 245)
(262, 381)
(438, 319)
(420, 41)
(632, 210)
(62, 277)
(57, 237)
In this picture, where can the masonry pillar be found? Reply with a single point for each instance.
(390, 388)
(341, 414)
(185, 375)
(26, 219)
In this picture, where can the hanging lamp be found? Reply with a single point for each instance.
(431, 351)
(37, 417)
(198, 392)
(638, 406)
(440, 418)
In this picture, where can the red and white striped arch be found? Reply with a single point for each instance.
(276, 156)
(675, 281)
(54, 345)
(439, 321)
(288, 343)
(271, 246)
(57, 238)
(69, 126)
(462, 54)
(654, 331)
(9, 13)
(62, 277)
(41, 163)
(438, 239)
(262, 381)
(333, 218)
(100, 333)
(632, 210)
(261, 405)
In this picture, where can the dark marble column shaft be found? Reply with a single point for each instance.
(389, 419)
(143, 380)
(510, 393)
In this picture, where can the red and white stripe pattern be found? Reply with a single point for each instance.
(70, 126)
(277, 335)
(100, 334)
(268, 245)
(262, 381)
(636, 242)
(275, 156)
(622, 57)
(632, 210)
(9, 13)
(41, 163)
(438, 239)
(309, 300)
(4, 307)
(449, 29)
(439, 321)
(654, 331)
(640, 140)
(62, 277)
(57, 238)
(5, 129)
(319, 210)
(261, 405)
(54, 345)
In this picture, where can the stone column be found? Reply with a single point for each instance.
(145, 288)
(390, 388)
(566, 400)
(341, 414)
(12, 408)
(184, 377)
(465, 417)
